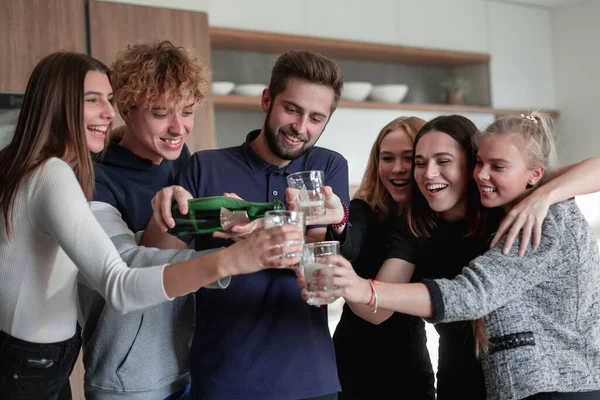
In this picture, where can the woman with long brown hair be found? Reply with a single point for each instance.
(378, 203)
(50, 238)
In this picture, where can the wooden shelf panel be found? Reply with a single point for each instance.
(246, 103)
(245, 40)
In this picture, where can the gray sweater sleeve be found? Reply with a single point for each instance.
(137, 256)
(494, 279)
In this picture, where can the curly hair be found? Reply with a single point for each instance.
(144, 72)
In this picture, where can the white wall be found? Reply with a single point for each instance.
(454, 24)
(577, 60)
(522, 70)
(577, 65)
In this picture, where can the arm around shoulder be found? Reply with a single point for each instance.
(494, 279)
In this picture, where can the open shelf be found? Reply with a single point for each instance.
(246, 103)
(275, 43)
(265, 42)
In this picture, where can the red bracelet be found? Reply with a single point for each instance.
(344, 220)
(372, 291)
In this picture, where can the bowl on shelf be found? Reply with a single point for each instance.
(222, 88)
(356, 91)
(249, 89)
(392, 93)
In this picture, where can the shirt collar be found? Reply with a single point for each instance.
(256, 163)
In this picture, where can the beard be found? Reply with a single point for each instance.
(278, 146)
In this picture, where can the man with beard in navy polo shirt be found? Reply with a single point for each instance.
(258, 340)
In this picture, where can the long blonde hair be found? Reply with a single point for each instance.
(371, 189)
(536, 130)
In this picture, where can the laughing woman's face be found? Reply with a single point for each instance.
(441, 174)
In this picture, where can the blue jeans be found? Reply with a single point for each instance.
(37, 371)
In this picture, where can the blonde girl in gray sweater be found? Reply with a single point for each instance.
(540, 331)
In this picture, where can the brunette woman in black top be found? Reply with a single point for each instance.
(365, 351)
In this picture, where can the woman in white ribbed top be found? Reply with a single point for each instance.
(49, 238)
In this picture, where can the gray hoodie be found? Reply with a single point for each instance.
(142, 355)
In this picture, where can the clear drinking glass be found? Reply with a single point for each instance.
(308, 187)
(285, 217)
(311, 261)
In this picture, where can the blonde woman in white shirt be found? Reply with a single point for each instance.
(49, 238)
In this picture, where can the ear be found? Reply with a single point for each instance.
(125, 114)
(536, 174)
(265, 100)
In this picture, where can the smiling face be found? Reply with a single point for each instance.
(441, 174)
(98, 112)
(158, 132)
(296, 117)
(395, 163)
(502, 171)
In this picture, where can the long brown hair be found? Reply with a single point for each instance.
(371, 189)
(421, 217)
(50, 125)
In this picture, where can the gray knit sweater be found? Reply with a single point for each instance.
(542, 310)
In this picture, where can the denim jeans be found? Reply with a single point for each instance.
(37, 371)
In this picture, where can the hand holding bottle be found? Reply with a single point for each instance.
(239, 231)
(162, 202)
(334, 212)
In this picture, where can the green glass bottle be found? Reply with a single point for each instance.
(210, 214)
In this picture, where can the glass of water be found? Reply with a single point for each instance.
(312, 260)
(308, 188)
(285, 217)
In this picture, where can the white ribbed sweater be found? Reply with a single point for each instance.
(55, 238)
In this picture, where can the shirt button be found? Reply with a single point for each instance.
(275, 193)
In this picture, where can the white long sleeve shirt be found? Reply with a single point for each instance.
(55, 237)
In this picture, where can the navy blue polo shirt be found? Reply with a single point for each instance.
(258, 340)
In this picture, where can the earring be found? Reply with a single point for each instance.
(529, 184)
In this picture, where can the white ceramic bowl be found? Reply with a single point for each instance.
(388, 93)
(249, 89)
(356, 91)
(222, 88)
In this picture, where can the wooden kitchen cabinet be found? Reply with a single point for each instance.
(30, 30)
(113, 26)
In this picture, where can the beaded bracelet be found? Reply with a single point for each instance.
(344, 219)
